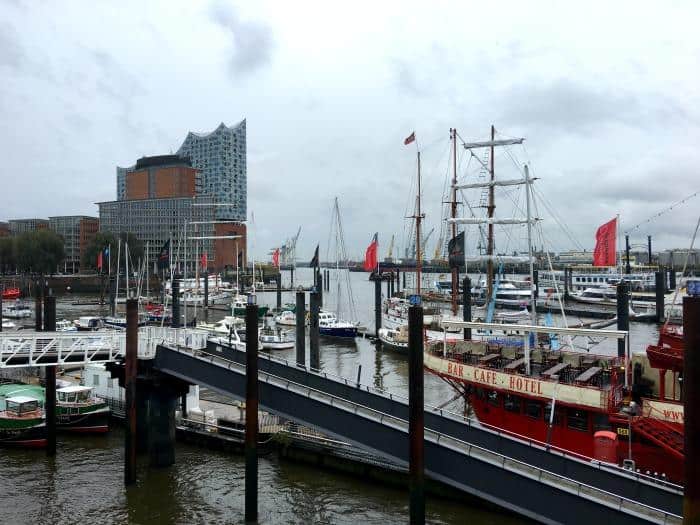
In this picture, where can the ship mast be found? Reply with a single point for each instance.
(453, 214)
(491, 207)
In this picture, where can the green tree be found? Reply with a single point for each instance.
(8, 260)
(104, 239)
(39, 252)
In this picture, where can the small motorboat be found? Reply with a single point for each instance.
(22, 423)
(276, 340)
(64, 325)
(17, 311)
(11, 293)
(8, 325)
(88, 323)
(286, 318)
(330, 326)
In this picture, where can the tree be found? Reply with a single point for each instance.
(104, 239)
(39, 252)
(8, 260)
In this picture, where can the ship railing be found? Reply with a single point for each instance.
(476, 452)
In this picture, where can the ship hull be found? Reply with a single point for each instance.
(91, 422)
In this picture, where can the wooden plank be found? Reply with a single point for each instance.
(555, 369)
(516, 364)
(588, 374)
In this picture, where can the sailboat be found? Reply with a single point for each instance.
(331, 324)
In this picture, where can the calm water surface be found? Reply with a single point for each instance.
(83, 484)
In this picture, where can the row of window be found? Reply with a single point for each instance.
(576, 419)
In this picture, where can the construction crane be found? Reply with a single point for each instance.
(438, 248)
(289, 250)
(411, 250)
(425, 239)
(389, 257)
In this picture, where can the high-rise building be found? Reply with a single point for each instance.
(221, 157)
(161, 198)
(77, 232)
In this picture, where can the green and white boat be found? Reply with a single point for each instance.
(22, 423)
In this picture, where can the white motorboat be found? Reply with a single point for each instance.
(224, 326)
(395, 338)
(330, 326)
(287, 318)
(604, 294)
(8, 325)
(64, 325)
(17, 311)
(276, 341)
(395, 313)
(88, 323)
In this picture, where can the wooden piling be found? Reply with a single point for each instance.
(623, 316)
(38, 324)
(175, 292)
(691, 409)
(251, 414)
(314, 353)
(50, 387)
(301, 328)
(206, 289)
(467, 305)
(378, 306)
(416, 417)
(279, 292)
(130, 366)
(659, 289)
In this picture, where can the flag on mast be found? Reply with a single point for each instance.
(410, 138)
(204, 261)
(605, 252)
(99, 261)
(314, 260)
(371, 254)
(455, 249)
(164, 256)
(276, 257)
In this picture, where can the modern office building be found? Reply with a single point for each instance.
(221, 157)
(20, 226)
(4, 229)
(161, 198)
(77, 232)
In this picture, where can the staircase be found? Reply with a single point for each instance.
(660, 433)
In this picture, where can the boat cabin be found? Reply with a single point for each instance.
(74, 395)
(21, 406)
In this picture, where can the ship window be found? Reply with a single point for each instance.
(494, 399)
(577, 419)
(600, 422)
(95, 380)
(533, 409)
(512, 403)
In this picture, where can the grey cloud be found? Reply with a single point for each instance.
(11, 53)
(252, 41)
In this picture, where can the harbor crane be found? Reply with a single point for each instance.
(389, 257)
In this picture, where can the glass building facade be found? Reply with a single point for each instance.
(221, 157)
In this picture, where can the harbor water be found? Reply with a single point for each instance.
(84, 482)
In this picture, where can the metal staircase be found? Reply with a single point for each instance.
(660, 433)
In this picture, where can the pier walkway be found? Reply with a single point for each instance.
(492, 470)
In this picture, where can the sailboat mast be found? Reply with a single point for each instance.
(490, 209)
(418, 221)
(453, 214)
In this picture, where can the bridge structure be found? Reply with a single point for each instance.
(512, 472)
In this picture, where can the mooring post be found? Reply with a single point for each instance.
(398, 281)
(536, 282)
(175, 292)
(403, 283)
(567, 274)
(377, 306)
(388, 288)
(38, 325)
(206, 289)
(319, 289)
(50, 400)
(691, 409)
(416, 467)
(467, 306)
(628, 266)
(672, 278)
(623, 317)
(291, 277)
(301, 332)
(359, 375)
(314, 307)
(391, 285)
(130, 364)
(279, 291)
(659, 289)
(251, 412)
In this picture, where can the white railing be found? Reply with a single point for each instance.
(22, 349)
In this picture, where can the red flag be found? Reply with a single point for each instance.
(371, 255)
(99, 260)
(409, 139)
(276, 257)
(204, 262)
(605, 239)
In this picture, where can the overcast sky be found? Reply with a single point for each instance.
(606, 95)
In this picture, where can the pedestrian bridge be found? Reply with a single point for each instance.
(516, 474)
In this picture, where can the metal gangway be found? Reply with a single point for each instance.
(28, 348)
(489, 472)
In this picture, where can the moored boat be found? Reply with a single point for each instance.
(330, 326)
(8, 325)
(22, 423)
(286, 318)
(17, 311)
(11, 293)
(89, 323)
(278, 340)
(79, 410)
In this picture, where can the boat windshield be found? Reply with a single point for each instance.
(19, 409)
